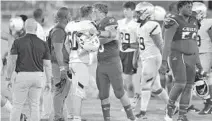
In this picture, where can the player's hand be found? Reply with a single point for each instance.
(48, 86)
(125, 46)
(63, 75)
(164, 67)
(94, 32)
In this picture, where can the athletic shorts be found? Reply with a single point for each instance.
(127, 62)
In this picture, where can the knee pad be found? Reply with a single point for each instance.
(157, 92)
(79, 90)
(148, 84)
(119, 92)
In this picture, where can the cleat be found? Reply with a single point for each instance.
(206, 110)
(192, 108)
(170, 110)
(182, 118)
(141, 114)
(23, 117)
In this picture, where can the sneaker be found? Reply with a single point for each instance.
(182, 118)
(141, 114)
(169, 112)
(23, 117)
(206, 109)
(135, 100)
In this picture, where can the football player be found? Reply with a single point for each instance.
(109, 70)
(204, 40)
(127, 35)
(150, 46)
(181, 47)
(81, 45)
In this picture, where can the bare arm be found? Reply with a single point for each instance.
(67, 45)
(57, 39)
(11, 65)
(48, 69)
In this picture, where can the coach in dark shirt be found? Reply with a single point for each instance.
(29, 57)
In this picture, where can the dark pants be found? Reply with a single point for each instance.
(106, 74)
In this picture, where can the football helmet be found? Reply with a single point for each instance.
(143, 11)
(16, 24)
(201, 86)
(159, 13)
(87, 42)
(199, 10)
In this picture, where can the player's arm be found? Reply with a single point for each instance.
(198, 64)
(169, 32)
(67, 43)
(58, 37)
(210, 33)
(156, 36)
(110, 33)
(47, 64)
(12, 60)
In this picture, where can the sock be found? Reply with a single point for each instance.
(76, 118)
(129, 112)
(8, 106)
(145, 97)
(175, 93)
(185, 99)
(106, 112)
(164, 96)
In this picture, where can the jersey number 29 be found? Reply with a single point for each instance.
(141, 43)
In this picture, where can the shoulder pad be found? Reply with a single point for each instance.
(110, 21)
(169, 21)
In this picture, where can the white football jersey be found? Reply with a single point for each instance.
(204, 41)
(83, 26)
(146, 43)
(127, 32)
(40, 32)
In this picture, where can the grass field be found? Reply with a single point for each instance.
(92, 111)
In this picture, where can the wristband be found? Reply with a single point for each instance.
(62, 68)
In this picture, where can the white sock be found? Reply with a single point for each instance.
(164, 96)
(145, 97)
(8, 106)
(76, 118)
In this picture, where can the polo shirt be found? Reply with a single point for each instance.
(31, 51)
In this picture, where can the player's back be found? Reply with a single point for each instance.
(204, 41)
(127, 31)
(147, 45)
(184, 39)
(72, 29)
(109, 51)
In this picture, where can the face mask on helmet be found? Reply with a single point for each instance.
(199, 10)
(201, 88)
(144, 11)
